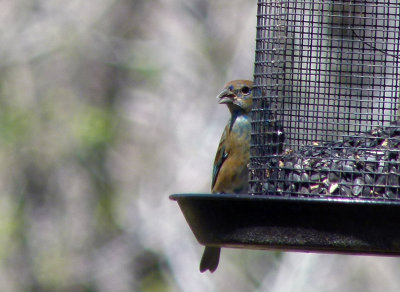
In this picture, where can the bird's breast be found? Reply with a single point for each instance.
(239, 134)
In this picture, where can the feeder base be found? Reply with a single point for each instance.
(293, 224)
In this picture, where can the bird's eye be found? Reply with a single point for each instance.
(245, 89)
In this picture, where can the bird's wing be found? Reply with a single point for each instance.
(220, 157)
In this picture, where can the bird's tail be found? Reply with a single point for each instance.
(210, 259)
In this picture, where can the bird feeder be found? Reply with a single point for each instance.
(325, 149)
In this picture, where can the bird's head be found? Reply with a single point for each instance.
(237, 95)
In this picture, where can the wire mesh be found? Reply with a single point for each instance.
(325, 114)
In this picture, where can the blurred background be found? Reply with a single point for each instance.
(106, 108)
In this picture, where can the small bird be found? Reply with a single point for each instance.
(230, 171)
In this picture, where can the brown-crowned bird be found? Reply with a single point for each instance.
(230, 170)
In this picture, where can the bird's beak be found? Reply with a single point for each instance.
(226, 96)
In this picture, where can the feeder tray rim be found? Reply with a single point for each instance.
(308, 200)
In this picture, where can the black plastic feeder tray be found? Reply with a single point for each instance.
(293, 224)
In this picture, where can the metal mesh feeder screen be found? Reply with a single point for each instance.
(325, 114)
